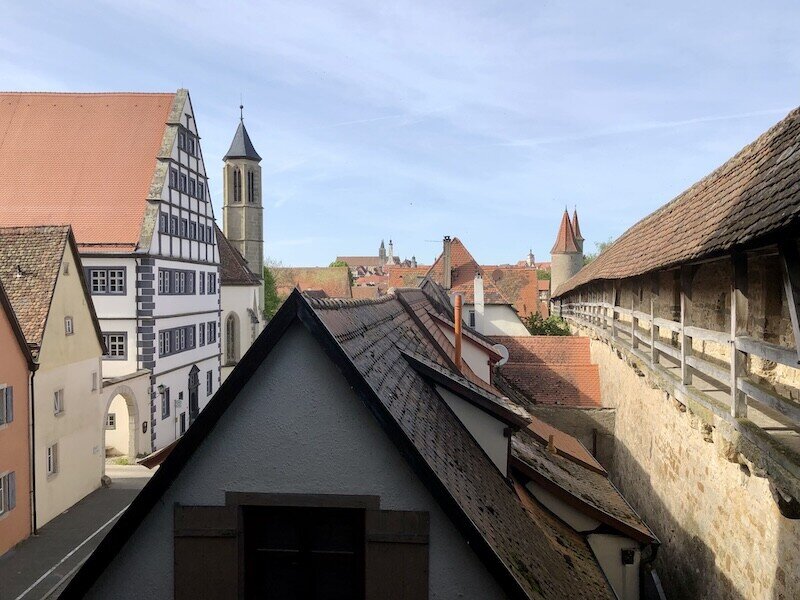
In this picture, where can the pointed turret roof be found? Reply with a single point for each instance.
(576, 228)
(565, 242)
(241, 146)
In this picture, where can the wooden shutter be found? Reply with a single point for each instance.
(9, 399)
(206, 552)
(11, 484)
(397, 555)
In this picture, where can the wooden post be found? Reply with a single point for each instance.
(614, 312)
(739, 309)
(791, 285)
(634, 323)
(654, 332)
(686, 306)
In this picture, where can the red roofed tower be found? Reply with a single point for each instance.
(576, 228)
(567, 254)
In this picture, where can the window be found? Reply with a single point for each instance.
(66, 268)
(193, 230)
(201, 233)
(8, 492)
(58, 402)
(173, 225)
(202, 332)
(183, 423)
(190, 145)
(106, 280)
(175, 281)
(231, 341)
(184, 228)
(212, 283)
(165, 403)
(69, 326)
(184, 182)
(116, 345)
(209, 382)
(472, 318)
(291, 549)
(212, 332)
(52, 460)
(201, 190)
(175, 339)
(202, 277)
(163, 222)
(209, 236)
(237, 185)
(111, 421)
(251, 187)
(173, 179)
(6, 405)
(181, 140)
(192, 187)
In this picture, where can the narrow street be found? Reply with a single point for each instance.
(41, 566)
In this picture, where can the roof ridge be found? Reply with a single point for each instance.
(34, 93)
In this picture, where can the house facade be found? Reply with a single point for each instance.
(145, 230)
(41, 271)
(15, 472)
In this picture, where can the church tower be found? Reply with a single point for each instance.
(566, 255)
(242, 212)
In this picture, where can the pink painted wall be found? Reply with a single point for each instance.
(15, 525)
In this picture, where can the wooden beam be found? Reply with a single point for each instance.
(686, 309)
(739, 313)
(614, 298)
(790, 261)
(654, 331)
(634, 322)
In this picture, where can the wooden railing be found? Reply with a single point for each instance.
(640, 333)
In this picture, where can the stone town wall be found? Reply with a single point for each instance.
(722, 534)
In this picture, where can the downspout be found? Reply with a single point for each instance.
(32, 447)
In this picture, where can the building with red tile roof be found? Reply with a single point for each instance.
(126, 172)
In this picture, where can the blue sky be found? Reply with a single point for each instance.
(415, 120)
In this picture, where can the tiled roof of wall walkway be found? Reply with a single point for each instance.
(751, 198)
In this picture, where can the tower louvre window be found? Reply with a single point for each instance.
(237, 185)
(251, 187)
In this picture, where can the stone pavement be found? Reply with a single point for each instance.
(40, 566)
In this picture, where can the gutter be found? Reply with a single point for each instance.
(32, 446)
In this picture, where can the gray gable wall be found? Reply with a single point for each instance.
(297, 427)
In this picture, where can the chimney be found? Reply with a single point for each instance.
(479, 308)
(457, 318)
(447, 269)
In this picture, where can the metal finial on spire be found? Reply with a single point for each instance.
(241, 112)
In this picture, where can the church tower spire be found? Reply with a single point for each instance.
(242, 210)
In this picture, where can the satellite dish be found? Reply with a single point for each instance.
(502, 351)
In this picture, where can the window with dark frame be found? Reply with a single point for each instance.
(184, 179)
(301, 552)
(116, 347)
(176, 282)
(192, 230)
(251, 187)
(106, 280)
(173, 178)
(209, 382)
(173, 225)
(192, 187)
(6, 404)
(237, 185)
(165, 403)
(163, 223)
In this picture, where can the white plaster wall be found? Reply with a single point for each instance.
(473, 354)
(571, 516)
(487, 431)
(187, 357)
(297, 427)
(501, 319)
(111, 305)
(77, 431)
(238, 299)
(117, 368)
(166, 430)
(624, 579)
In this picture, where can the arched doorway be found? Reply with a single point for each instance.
(120, 423)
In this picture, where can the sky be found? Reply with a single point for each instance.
(414, 120)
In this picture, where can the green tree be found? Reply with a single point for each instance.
(542, 274)
(341, 263)
(552, 325)
(599, 248)
(271, 300)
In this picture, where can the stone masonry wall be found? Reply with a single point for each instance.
(721, 532)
